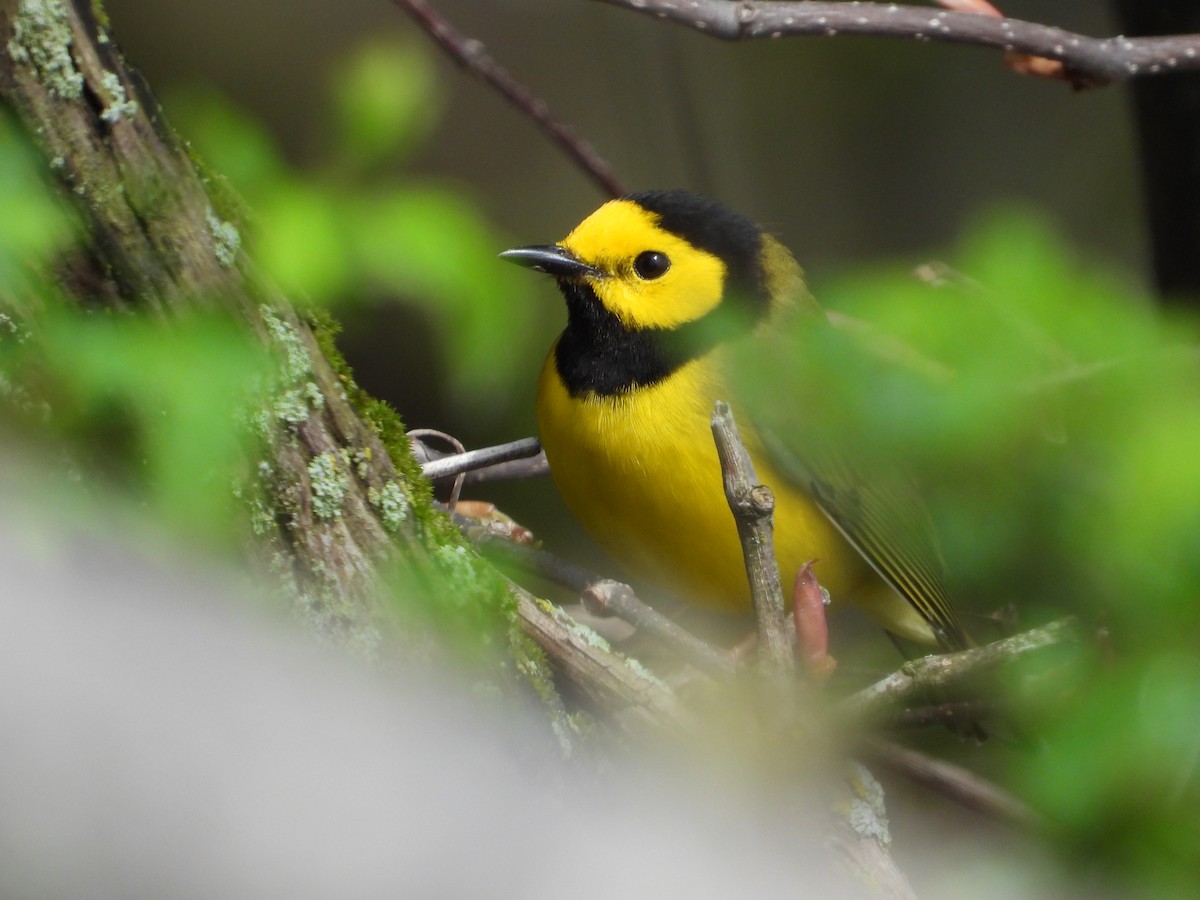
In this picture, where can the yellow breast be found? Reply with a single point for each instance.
(639, 470)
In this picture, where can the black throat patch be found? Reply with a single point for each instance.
(598, 354)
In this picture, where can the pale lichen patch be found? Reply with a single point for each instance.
(119, 106)
(226, 238)
(459, 564)
(391, 503)
(866, 813)
(41, 37)
(298, 394)
(296, 359)
(329, 477)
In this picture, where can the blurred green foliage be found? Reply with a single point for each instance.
(1050, 414)
(161, 412)
(340, 230)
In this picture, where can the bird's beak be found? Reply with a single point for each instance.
(553, 260)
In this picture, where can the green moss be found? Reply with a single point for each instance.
(227, 203)
(100, 14)
(42, 38)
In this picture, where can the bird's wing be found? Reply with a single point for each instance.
(883, 517)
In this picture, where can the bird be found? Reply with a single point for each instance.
(660, 287)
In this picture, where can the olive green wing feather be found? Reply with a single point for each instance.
(882, 516)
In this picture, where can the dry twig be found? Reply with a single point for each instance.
(753, 505)
(919, 677)
(607, 676)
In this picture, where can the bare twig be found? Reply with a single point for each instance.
(951, 781)
(605, 596)
(752, 505)
(471, 55)
(1088, 61)
(468, 460)
(933, 673)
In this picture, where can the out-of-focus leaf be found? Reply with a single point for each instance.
(227, 140)
(163, 411)
(386, 102)
(303, 242)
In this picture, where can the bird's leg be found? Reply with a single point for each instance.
(812, 630)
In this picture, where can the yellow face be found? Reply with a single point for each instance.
(614, 240)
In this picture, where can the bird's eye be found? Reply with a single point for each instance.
(651, 264)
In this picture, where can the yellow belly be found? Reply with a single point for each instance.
(640, 472)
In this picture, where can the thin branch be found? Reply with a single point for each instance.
(514, 470)
(642, 703)
(472, 56)
(1089, 61)
(753, 505)
(919, 677)
(951, 715)
(955, 782)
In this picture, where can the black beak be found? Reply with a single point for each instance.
(551, 259)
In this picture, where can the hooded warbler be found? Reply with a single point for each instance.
(659, 286)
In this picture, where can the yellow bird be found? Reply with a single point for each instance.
(625, 402)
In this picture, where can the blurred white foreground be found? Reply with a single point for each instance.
(162, 736)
